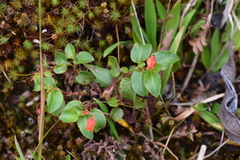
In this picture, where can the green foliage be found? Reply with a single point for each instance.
(28, 44)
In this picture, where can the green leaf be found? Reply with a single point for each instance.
(99, 118)
(75, 104)
(140, 52)
(188, 18)
(215, 44)
(215, 108)
(151, 22)
(221, 61)
(101, 73)
(113, 102)
(138, 103)
(236, 41)
(82, 123)
(84, 77)
(61, 58)
(113, 130)
(47, 73)
(83, 57)
(59, 69)
(173, 48)
(136, 28)
(205, 57)
(196, 27)
(59, 110)
(112, 47)
(174, 21)
(152, 82)
(124, 70)
(18, 148)
(212, 120)
(69, 116)
(165, 58)
(137, 79)
(126, 89)
(113, 63)
(161, 10)
(202, 106)
(54, 100)
(70, 51)
(116, 114)
(68, 157)
(102, 105)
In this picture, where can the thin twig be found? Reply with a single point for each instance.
(42, 101)
(4, 73)
(160, 144)
(118, 49)
(216, 149)
(168, 139)
(190, 72)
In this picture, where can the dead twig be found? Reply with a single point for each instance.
(216, 149)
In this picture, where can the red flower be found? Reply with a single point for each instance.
(90, 124)
(151, 61)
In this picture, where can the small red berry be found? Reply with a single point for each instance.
(151, 61)
(90, 124)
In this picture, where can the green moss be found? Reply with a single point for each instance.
(17, 4)
(82, 3)
(115, 15)
(65, 11)
(27, 44)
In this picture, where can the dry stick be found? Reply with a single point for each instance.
(42, 101)
(197, 55)
(216, 149)
(190, 3)
(163, 28)
(202, 152)
(4, 73)
(168, 140)
(160, 144)
(190, 72)
(118, 49)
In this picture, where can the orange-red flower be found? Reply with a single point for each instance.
(151, 61)
(90, 124)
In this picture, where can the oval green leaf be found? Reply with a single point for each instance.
(82, 123)
(113, 102)
(126, 89)
(116, 114)
(84, 77)
(69, 116)
(84, 57)
(137, 80)
(152, 82)
(77, 105)
(61, 58)
(140, 52)
(99, 118)
(101, 73)
(165, 58)
(54, 100)
(59, 69)
(70, 51)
